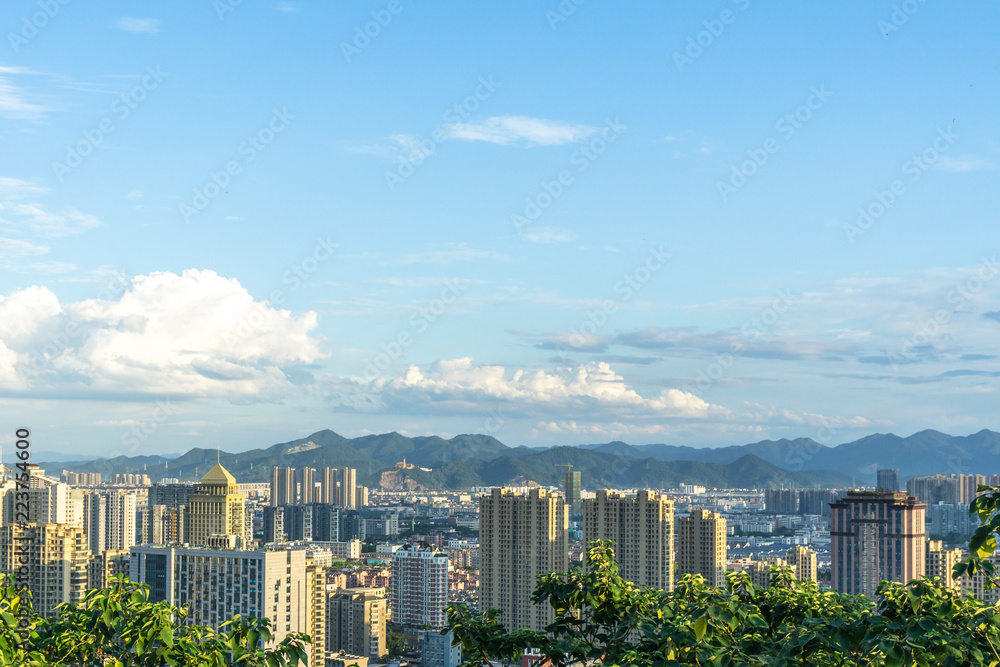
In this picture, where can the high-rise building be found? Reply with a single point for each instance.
(316, 611)
(355, 622)
(951, 519)
(46, 503)
(520, 537)
(976, 585)
(701, 546)
(348, 488)
(361, 496)
(171, 495)
(419, 586)
(56, 556)
(941, 562)
(876, 536)
(107, 565)
(802, 560)
(573, 492)
(121, 513)
(781, 501)
(817, 501)
(95, 521)
(642, 528)
(887, 479)
(296, 523)
(217, 584)
(329, 486)
(760, 571)
(217, 508)
(282, 486)
(437, 649)
(307, 485)
(162, 524)
(950, 489)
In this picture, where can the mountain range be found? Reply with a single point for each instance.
(480, 460)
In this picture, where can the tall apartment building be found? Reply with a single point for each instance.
(782, 501)
(170, 495)
(316, 611)
(802, 560)
(642, 528)
(887, 479)
(941, 562)
(520, 537)
(951, 518)
(162, 524)
(329, 485)
(47, 503)
(348, 488)
(107, 565)
(283, 486)
(95, 522)
(437, 649)
(817, 501)
(307, 485)
(701, 546)
(217, 584)
(355, 622)
(217, 508)
(293, 523)
(760, 571)
(876, 536)
(976, 585)
(121, 514)
(951, 489)
(361, 496)
(56, 556)
(419, 586)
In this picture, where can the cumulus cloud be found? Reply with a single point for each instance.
(506, 130)
(459, 385)
(195, 334)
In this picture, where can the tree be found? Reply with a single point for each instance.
(395, 644)
(986, 506)
(119, 626)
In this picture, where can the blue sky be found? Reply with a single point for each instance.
(232, 224)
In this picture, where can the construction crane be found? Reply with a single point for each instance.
(568, 466)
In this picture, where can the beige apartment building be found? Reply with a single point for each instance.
(701, 546)
(356, 622)
(56, 557)
(802, 560)
(876, 536)
(520, 537)
(642, 528)
(941, 562)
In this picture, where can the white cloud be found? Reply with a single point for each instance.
(961, 163)
(457, 385)
(285, 7)
(18, 248)
(547, 235)
(13, 100)
(21, 212)
(130, 24)
(135, 194)
(196, 334)
(452, 252)
(516, 129)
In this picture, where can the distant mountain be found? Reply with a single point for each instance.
(603, 470)
(924, 453)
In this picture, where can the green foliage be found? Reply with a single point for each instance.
(983, 544)
(119, 626)
(602, 619)
(395, 644)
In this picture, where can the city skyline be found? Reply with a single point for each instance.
(726, 224)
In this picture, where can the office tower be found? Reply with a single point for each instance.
(348, 490)
(802, 560)
(941, 562)
(642, 528)
(419, 586)
(361, 496)
(438, 651)
(329, 485)
(282, 486)
(57, 558)
(573, 492)
(701, 546)
(216, 508)
(887, 480)
(950, 489)
(107, 565)
(876, 536)
(271, 584)
(520, 537)
(307, 485)
(355, 622)
(171, 495)
(781, 501)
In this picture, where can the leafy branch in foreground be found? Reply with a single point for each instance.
(986, 506)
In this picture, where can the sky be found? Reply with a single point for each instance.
(229, 224)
